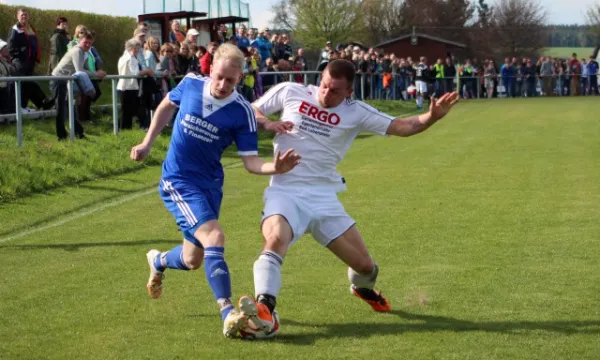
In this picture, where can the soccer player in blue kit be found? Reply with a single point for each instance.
(211, 116)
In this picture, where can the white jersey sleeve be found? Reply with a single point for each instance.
(373, 120)
(273, 100)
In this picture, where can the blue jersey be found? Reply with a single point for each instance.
(203, 129)
(243, 42)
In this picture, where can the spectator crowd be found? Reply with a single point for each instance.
(161, 66)
(387, 76)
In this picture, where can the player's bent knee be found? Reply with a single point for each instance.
(214, 238)
(210, 235)
(193, 261)
(277, 234)
(276, 243)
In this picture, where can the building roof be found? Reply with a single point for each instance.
(172, 15)
(425, 36)
(222, 20)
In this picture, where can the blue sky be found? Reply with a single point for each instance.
(559, 11)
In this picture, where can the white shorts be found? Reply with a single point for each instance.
(318, 212)
(421, 86)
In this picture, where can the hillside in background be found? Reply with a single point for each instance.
(111, 31)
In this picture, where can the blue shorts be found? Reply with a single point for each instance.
(190, 205)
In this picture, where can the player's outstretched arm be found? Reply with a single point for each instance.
(419, 123)
(278, 127)
(162, 116)
(280, 164)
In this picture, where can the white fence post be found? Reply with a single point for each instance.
(115, 105)
(18, 85)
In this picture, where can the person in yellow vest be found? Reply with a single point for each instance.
(466, 79)
(250, 71)
(439, 69)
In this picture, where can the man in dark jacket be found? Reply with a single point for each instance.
(530, 80)
(449, 74)
(58, 43)
(24, 50)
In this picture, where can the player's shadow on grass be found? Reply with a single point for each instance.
(79, 246)
(415, 323)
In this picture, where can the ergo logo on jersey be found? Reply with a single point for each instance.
(320, 115)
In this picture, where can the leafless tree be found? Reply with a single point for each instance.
(519, 27)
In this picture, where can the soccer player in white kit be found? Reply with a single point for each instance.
(421, 77)
(320, 123)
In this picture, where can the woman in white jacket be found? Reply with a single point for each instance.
(129, 89)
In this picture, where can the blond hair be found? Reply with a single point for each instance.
(80, 30)
(149, 43)
(230, 52)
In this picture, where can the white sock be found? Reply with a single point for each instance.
(267, 274)
(363, 281)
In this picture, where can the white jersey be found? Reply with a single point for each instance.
(322, 136)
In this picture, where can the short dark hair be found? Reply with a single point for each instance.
(60, 20)
(88, 35)
(341, 68)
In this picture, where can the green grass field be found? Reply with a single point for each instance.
(485, 228)
(565, 52)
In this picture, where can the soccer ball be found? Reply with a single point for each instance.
(253, 332)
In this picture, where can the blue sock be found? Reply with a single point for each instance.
(217, 275)
(226, 307)
(174, 260)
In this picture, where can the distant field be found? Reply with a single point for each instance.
(567, 52)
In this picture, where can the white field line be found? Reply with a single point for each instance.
(78, 215)
(91, 211)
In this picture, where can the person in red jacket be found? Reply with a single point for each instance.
(24, 50)
(206, 60)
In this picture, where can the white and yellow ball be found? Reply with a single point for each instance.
(253, 332)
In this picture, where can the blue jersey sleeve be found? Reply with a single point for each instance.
(176, 94)
(246, 137)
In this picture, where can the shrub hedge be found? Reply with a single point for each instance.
(111, 31)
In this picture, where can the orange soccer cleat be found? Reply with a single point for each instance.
(374, 298)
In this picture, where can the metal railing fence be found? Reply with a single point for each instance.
(366, 87)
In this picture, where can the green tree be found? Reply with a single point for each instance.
(313, 22)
